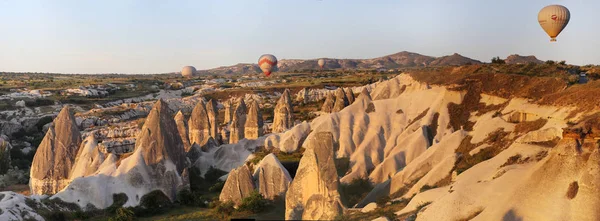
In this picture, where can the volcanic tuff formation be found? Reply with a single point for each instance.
(341, 100)
(213, 111)
(236, 130)
(313, 194)
(239, 185)
(156, 164)
(55, 157)
(253, 128)
(271, 178)
(328, 104)
(199, 125)
(350, 96)
(182, 128)
(283, 117)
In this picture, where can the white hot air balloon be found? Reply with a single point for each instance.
(321, 62)
(188, 71)
(553, 19)
(266, 63)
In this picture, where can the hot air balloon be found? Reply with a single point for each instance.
(553, 19)
(267, 62)
(188, 71)
(321, 62)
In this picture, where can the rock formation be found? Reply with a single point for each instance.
(272, 179)
(159, 139)
(236, 130)
(55, 157)
(88, 158)
(341, 101)
(199, 125)
(183, 130)
(290, 140)
(329, 103)
(213, 113)
(283, 117)
(313, 194)
(365, 93)
(157, 163)
(253, 128)
(239, 185)
(4, 154)
(229, 109)
(350, 96)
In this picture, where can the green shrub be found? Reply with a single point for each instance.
(255, 203)
(119, 200)
(189, 198)
(155, 202)
(217, 187)
(123, 214)
(356, 190)
(225, 208)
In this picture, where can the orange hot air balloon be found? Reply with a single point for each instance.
(553, 19)
(321, 62)
(266, 63)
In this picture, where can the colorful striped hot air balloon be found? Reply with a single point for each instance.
(266, 63)
(321, 62)
(553, 19)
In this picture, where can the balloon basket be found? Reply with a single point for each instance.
(553, 40)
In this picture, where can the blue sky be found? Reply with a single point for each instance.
(153, 36)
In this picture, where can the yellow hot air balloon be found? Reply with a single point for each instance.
(553, 19)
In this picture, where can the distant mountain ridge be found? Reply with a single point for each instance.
(402, 59)
(518, 59)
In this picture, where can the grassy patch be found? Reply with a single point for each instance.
(527, 126)
(355, 191)
(573, 189)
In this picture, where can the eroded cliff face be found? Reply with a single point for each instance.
(55, 157)
(471, 154)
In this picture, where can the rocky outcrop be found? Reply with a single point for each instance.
(236, 130)
(183, 130)
(290, 140)
(239, 185)
(213, 113)
(199, 125)
(229, 109)
(341, 101)
(350, 96)
(55, 157)
(159, 139)
(156, 164)
(313, 194)
(272, 179)
(329, 103)
(4, 154)
(283, 118)
(253, 128)
(88, 158)
(365, 94)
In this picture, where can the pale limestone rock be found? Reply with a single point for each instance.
(238, 122)
(253, 128)
(182, 128)
(341, 101)
(329, 103)
(272, 179)
(313, 194)
(55, 157)
(213, 111)
(239, 185)
(283, 117)
(199, 125)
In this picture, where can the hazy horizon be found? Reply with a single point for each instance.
(137, 37)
